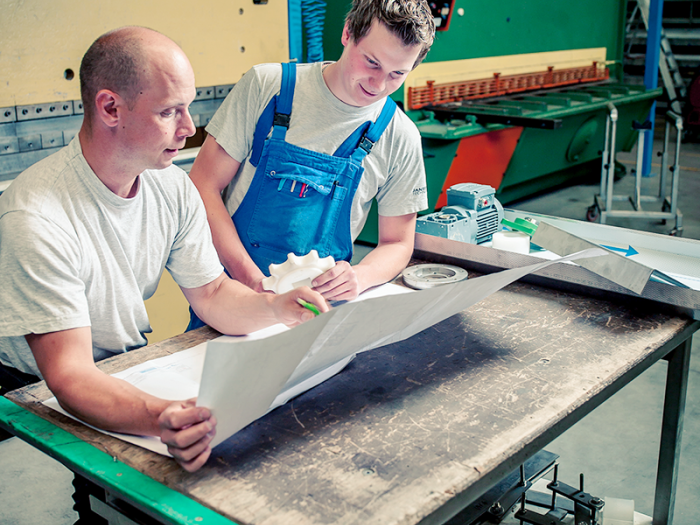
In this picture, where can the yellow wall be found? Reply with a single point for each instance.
(41, 39)
(168, 310)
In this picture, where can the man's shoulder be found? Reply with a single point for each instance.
(270, 75)
(402, 127)
(264, 74)
(38, 183)
(261, 81)
(268, 68)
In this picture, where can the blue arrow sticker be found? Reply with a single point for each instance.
(627, 252)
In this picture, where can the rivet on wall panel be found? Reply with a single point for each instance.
(30, 142)
(8, 114)
(222, 91)
(8, 145)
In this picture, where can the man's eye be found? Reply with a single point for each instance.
(168, 113)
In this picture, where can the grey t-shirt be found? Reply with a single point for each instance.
(394, 169)
(74, 254)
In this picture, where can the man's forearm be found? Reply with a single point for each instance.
(65, 361)
(382, 264)
(111, 404)
(392, 254)
(228, 245)
(212, 172)
(232, 308)
(237, 262)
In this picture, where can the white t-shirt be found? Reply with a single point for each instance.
(74, 254)
(394, 169)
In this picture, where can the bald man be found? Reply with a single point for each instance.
(86, 233)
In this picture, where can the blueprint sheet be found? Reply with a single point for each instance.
(242, 378)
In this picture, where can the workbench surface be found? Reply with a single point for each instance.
(413, 431)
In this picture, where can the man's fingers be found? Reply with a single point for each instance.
(324, 281)
(187, 430)
(185, 437)
(182, 415)
(341, 293)
(192, 458)
(196, 463)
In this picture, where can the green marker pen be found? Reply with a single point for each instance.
(308, 306)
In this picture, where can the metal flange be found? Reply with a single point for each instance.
(422, 276)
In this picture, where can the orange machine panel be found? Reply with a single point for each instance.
(482, 159)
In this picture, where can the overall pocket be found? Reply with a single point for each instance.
(299, 201)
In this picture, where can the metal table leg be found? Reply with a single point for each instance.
(671, 432)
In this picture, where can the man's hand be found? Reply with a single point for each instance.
(65, 360)
(340, 283)
(187, 430)
(288, 310)
(255, 284)
(344, 282)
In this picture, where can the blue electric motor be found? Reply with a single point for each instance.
(472, 215)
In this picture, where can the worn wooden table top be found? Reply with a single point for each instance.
(411, 429)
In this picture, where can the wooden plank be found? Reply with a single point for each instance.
(408, 429)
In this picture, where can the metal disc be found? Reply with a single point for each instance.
(423, 276)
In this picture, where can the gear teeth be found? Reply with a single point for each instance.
(297, 261)
(296, 271)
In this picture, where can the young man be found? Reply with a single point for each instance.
(86, 233)
(294, 194)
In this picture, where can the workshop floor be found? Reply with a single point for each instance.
(615, 447)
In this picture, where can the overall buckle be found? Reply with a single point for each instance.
(281, 120)
(365, 144)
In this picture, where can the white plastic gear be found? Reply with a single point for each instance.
(296, 271)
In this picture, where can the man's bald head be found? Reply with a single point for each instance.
(119, 61)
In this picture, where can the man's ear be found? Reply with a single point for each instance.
(108, 105)
(345, 37)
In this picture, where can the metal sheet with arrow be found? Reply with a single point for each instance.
(615, 267)
(665, 268)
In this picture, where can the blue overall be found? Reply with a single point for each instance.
(300, 200)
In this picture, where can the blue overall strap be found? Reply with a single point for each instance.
(261, 130)
(360, 143)
(284, 102)
(270, 116)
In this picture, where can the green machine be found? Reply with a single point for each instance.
(515, 94)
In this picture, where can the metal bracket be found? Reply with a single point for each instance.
(586, 507)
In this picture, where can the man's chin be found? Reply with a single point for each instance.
(160, 164)
(167, 158)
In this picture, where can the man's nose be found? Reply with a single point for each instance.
(187, 127)
(378, 83)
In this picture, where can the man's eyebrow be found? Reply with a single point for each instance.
(175, 104)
